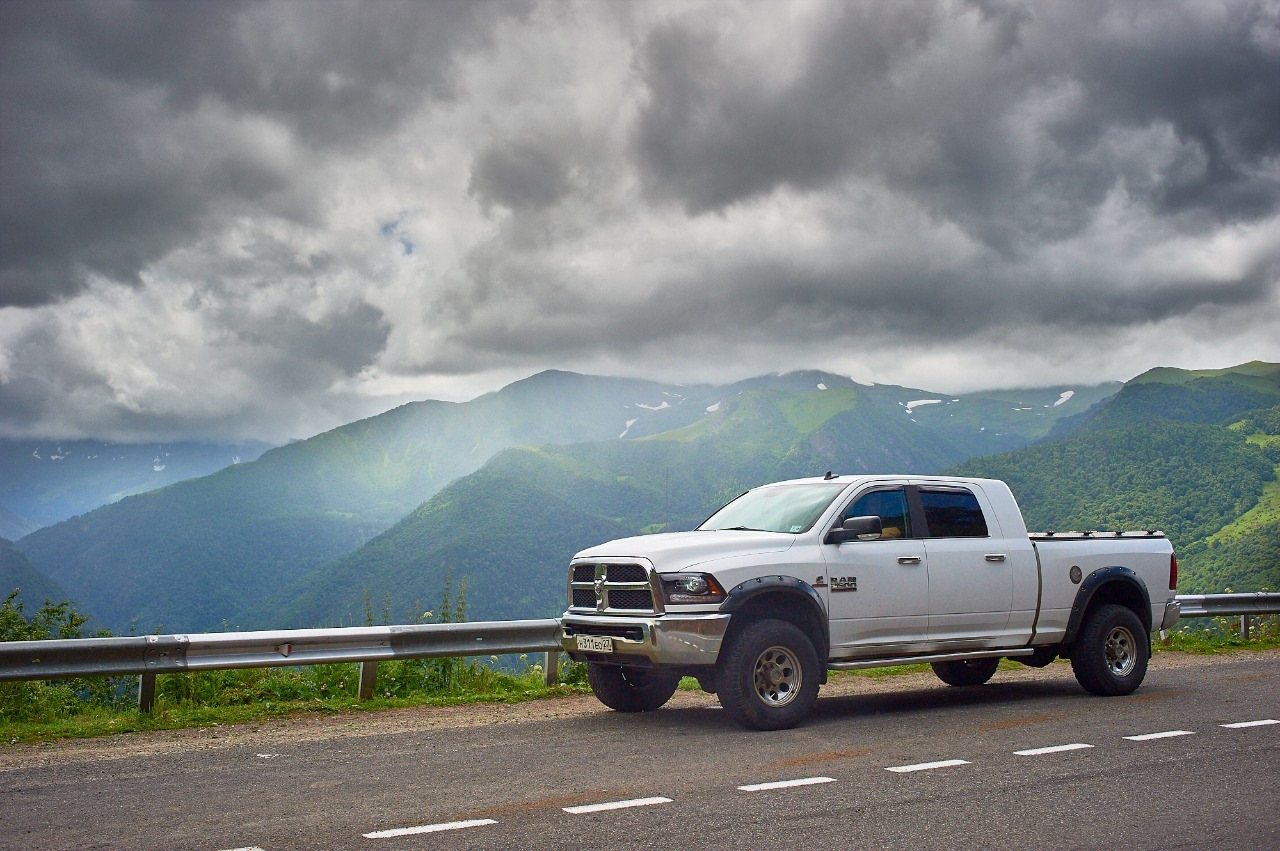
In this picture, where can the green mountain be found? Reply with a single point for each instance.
(1203, 396)
(510, 528)
(207, 552)
(46, 481)
(192, 555)
(14, 526)
(1196, 454)
(17, 574)
(1183, 457)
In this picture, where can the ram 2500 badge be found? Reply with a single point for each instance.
(796, 578)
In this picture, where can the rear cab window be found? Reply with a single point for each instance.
(952, 513)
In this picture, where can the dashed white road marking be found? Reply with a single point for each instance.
(1168, 734)
(927, 766)
(1239, 725)
(616, 805)
(428, 828)
(1052, 749)
(785, 784)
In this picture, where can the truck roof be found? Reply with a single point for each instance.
(850, 478)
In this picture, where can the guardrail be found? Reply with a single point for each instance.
(150, 655)
(1226, 605)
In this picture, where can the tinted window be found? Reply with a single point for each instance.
(953, 514)
(890, 506)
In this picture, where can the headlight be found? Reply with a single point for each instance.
(692, 588)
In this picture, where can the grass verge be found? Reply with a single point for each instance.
(33, 712)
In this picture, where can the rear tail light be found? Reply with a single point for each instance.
(1173, 573)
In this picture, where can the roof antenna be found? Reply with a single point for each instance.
(828, 477)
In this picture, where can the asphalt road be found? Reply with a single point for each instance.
(1026, 761)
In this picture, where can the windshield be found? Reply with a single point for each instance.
(775, 508)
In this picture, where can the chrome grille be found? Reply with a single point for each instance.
(606, 587)
(626, 573)
(625, 599)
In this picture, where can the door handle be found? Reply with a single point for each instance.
(995, 556)
(908, 559)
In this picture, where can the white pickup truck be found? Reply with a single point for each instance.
(796, 578)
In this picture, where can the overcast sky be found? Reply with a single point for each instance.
(261, 220)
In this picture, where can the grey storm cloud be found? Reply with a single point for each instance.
(260, 219)
(519, 176)
(125, 137)
(868, 98)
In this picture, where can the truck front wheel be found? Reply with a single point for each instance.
(630, 689)
(769, 676)
(1111, 651)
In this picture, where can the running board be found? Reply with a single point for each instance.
(860, 664)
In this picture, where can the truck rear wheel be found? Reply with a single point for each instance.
(1110, 654)
(769, 676)
(966, 672)
(630, 689)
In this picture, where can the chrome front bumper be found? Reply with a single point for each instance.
(685, 640)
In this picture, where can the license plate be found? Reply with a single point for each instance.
(595, 643)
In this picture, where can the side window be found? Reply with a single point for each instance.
(953, 514)
(889, 505)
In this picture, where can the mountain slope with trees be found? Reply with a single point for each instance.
(1196, 454)
(28, 585)
(204, 553)
(510, 528)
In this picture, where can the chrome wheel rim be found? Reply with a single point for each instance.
(778, 676)
(1121, 651)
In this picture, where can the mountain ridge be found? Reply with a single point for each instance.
(206, 553)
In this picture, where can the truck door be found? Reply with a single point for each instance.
(878, 591)
(970, 568)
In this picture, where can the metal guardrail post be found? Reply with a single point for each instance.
(368, 678)
(146, 693)
(551, 669)
(1244, 627)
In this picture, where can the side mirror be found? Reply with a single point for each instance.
(856, 529)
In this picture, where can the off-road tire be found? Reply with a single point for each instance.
(1111, 651)
(630, 689)
(768, 677)
(966, 672)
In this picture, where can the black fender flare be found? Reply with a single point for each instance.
(1095, 582)
(805, 595)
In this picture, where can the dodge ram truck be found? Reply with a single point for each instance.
(793, 579)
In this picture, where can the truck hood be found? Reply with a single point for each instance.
(670, 552)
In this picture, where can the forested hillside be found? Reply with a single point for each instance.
(510, 528)
(207, 553)
(191, 556)
(1193, 453)
(1188, 480)
(17, 574)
